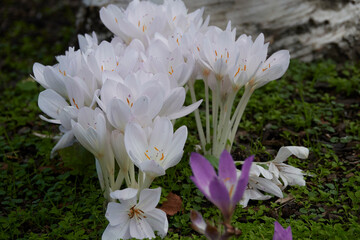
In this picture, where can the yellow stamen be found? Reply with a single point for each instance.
(156, 149)
(102, 68)
(138, 23)
(174, 18)
(127, 100)
(116, 20)
(227, 54)
(147, 156)
(162, 157)
(117, 63)
(75, 103)
(237, 72)
(64, 73)
(244, 67)
(177, 40)
(215, 52)
(198, 49)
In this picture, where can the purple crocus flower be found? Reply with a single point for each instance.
(282, 234)
(223, 190)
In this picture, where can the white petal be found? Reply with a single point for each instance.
(185, 110)
(285, 152)
(125, 194)
(162, 133)
(118, 114)
(117, 213)
(152, 168)
(135, 142)
(265, 185)
(140, 228)
(158, 221)
(121, 231)
(51, 103)
(149, 199)
(65, 141)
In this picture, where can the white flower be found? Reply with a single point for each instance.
(140, 20)
(135, 219)
(157, 152)
(91, 132)
(288, 174)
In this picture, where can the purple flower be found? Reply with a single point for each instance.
(223, 190)
(282, 234)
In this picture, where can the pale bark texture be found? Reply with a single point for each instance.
(309, 29)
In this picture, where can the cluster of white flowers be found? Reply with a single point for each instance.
(118, 99)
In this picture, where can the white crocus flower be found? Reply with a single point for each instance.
(90, 130)
(55, 106)
(88, 43)
(268, 180)
(157, 152)
(131, 102)
(140, 20)
(135, 219)
(288, 174)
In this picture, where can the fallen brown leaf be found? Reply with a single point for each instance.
(172, 205)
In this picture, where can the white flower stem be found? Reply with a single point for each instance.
(238, 113)
(207, 112)
(224, 124)
(197, 119)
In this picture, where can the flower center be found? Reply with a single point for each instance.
(135, 212)
(154, 154)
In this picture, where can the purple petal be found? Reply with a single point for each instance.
(202, 170)
(198, 223)
(219, 196)
(204, 189)
(282, 234)
(227, 169)
(243, 181)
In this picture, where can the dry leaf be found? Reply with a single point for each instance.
(172, 205)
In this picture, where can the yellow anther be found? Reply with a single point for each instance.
(226, 179)
(162, 157)
(138, 23)
(244, 67)
(198, 49)
(227, 54)
(215, 52)
(174, 18)
(147, 156)
(75, 103)
(177, 40)
(116, 20)
(156, 149)
(102, 68)
(64, 73)
(237, 72)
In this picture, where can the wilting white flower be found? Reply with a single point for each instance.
(155, 153)
(135, 219)
(288, 174)
(268, 180)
